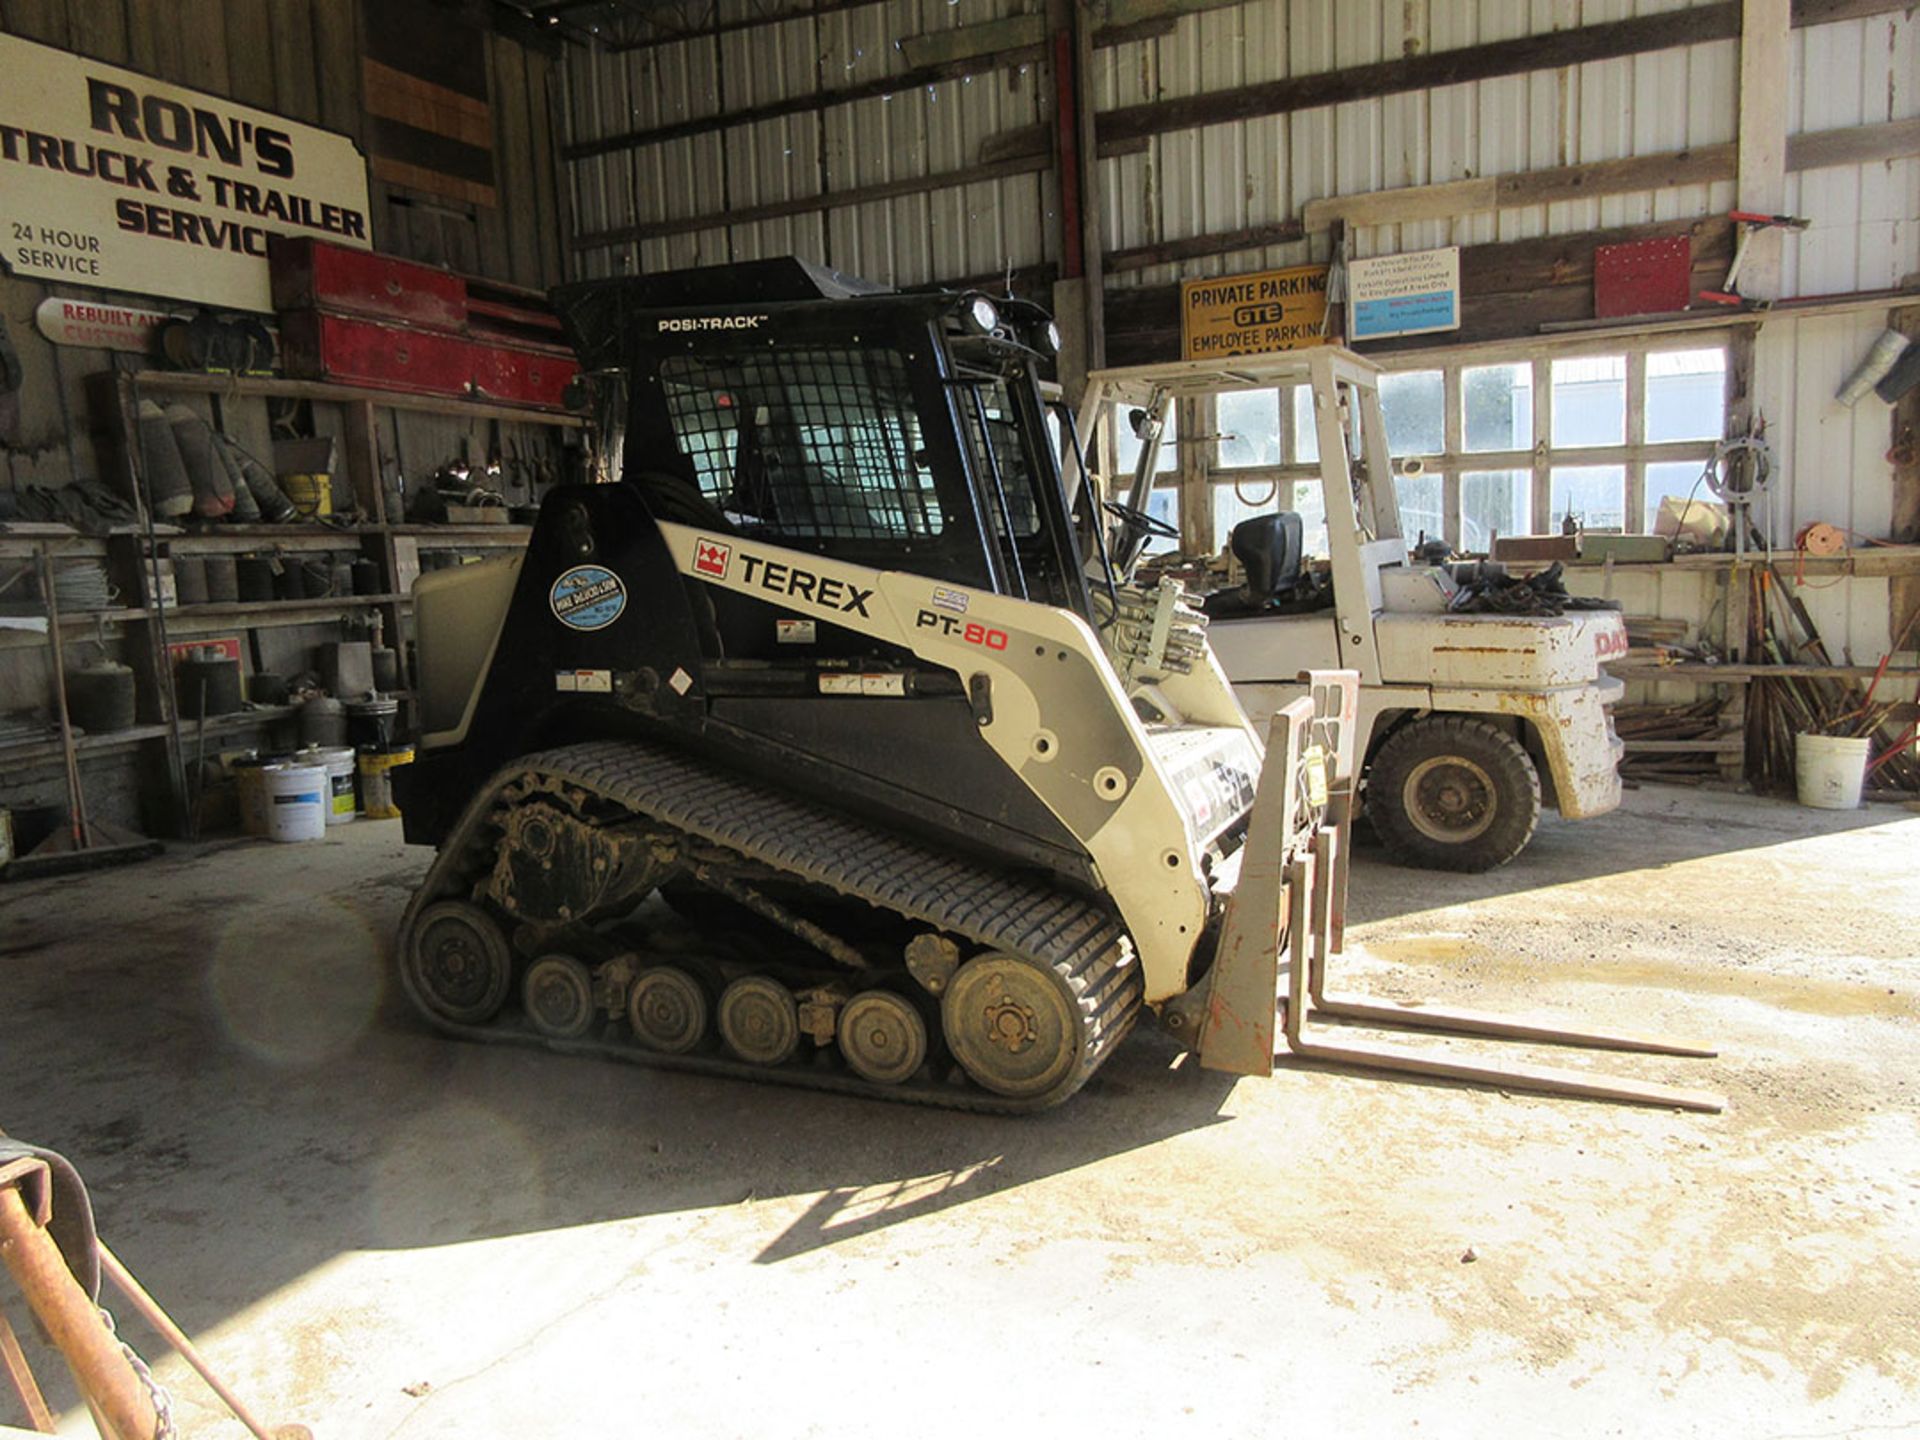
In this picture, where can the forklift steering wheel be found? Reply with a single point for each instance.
(1141, 521)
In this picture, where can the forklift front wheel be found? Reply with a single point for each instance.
(1452, 792)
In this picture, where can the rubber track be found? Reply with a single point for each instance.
(1083, 944)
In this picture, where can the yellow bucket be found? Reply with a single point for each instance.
(312, 495)
(376, 780)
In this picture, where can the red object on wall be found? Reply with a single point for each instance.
(315, 345)
(1642, 277)
(523, 376)
(313, 275)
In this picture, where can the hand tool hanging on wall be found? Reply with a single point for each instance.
(1750, 223)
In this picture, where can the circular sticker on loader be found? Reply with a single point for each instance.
(588, 597)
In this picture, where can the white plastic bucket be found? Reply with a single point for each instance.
(1830, 771)
(337, 761)
(297, 802)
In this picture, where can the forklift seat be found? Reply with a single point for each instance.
(1268, 548)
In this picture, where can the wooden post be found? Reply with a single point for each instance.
(1079, 297)
(363, 460)
(1762, 140)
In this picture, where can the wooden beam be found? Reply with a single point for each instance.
(809, 204)
(1508, 289)
(964, 42)
(731, 27)
(806, 103)
(1856, 145)
(1761, 185)
(1550, 50)
(1398, 207)
(1703, 165)
(1546, 51)
(1220, 242)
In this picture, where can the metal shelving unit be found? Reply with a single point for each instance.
(144, 627)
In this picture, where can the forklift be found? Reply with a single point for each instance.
(1469, 722)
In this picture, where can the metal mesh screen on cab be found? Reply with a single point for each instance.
(817, 444)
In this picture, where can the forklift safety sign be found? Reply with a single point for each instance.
(588, 597)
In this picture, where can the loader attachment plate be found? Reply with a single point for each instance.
(1292, 893)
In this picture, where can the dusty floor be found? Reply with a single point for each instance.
(384, 1234)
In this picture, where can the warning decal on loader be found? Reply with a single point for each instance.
(588, 597)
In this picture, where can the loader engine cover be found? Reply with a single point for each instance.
(554, 866)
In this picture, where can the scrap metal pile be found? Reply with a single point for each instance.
(1782, 707)
(1492, 591)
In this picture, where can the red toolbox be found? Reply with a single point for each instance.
(313, 275)
(524, 376)
(316, 345)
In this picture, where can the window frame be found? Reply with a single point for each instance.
(1539, 460)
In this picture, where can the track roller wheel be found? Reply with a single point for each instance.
(459, 966)
(668, 1010)
(1013, 1026)
(759, 1020)
(882, 1037)
(558, 995)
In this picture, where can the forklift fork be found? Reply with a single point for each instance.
(1294, 880)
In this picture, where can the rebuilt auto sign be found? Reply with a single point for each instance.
(588, 597)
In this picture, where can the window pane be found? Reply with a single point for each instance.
(1306, 434)
(1590, 400)
(1678, 480)
(1127, 444)
(1686, 395)
(1249, 426)
(1422, 508)
(1242, 501)
(1596, 495)
(1415, 405)
(1234, 503)
(1499, 407)
(815, 444)
(1163, 504)
(1494, 502)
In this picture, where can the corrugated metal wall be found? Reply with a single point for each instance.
(1223, 177)
(951, 233)
(1607, 110)
(1866, 218)
(1865, 233)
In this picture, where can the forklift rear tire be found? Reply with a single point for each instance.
(1451, 792)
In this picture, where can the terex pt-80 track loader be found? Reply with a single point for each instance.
(836, 667)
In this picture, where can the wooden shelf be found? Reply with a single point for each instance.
(1866, 560)
(321, 390)
(467, 535)
(27, 752)
(1741, 674)
(240, 538)
(236, 539)
(257, 718)
(224, 609)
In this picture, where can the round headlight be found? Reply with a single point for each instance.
(983, 315)
(1052, 334)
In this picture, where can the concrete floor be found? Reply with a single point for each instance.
(383, 1234)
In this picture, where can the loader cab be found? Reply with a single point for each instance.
(784, 403)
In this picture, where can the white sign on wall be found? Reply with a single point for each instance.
(114, 179)
(1414, 294)
(99, 325)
